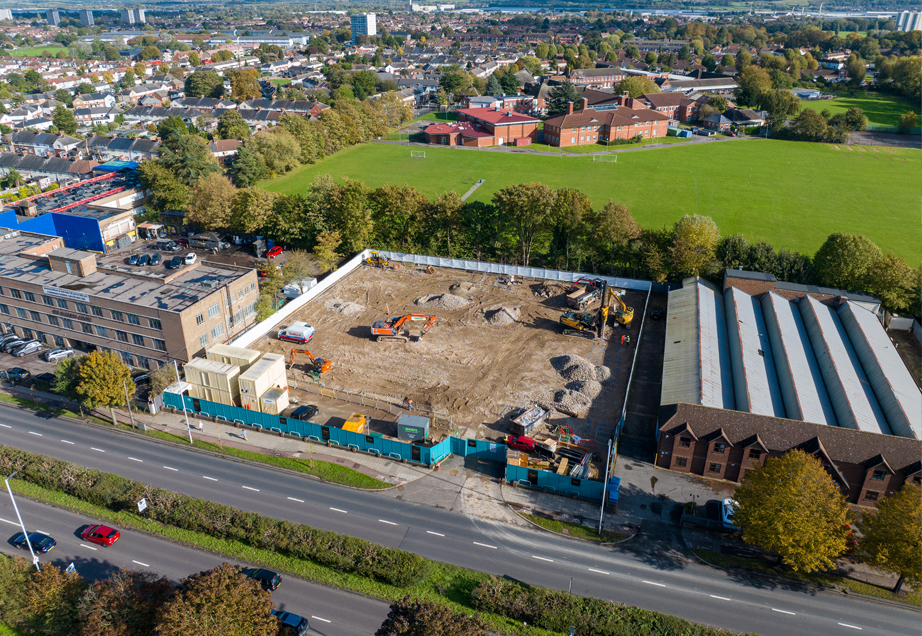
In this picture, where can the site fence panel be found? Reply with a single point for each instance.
(552, 482)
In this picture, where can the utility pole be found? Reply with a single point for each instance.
(183, 399)
(605, 487)
(25, 533)
(128, 404)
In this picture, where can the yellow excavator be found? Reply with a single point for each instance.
(587, 324)
(623, 315)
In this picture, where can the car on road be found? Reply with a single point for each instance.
(175, 262)
(18, 374)
(267, 578)
(58, 353)
(40, 541)
(144, 261)
(191, 258)
(100, 535)
(304, 412)
(45, 381)
(291, 624)
(28, 348)
(9, 345)
(275, 251)
(520, 442)
(133, 259)
(155, 259)
(727, 508)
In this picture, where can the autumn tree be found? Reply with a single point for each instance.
(297, 268)
(210, 202)
(269, 288)
(894, 282)
(325, 250)
(245, 85)
(908, 122)
(161, 379)
(637, 86)
(753, 81)
(846, 260)
(349, 213)
(694, 246)
(445, 219)
(528, 207)
(278, 148)
(792, 506)
(149, 53)
(49, 603)
(125, 604)
(251, 209)
(415, 617)
(104, 377)
(218, 601)
(613, 228)
(779, 104)
(194, 59)
(892, 539)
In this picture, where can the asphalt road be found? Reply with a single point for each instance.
(627, 575)
(324, 607)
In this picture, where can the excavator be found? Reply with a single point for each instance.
(623, 315)
(316, 365)
(392, 330)
(587, 324)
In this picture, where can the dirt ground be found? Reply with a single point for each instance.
(465, 367)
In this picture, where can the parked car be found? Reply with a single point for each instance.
(45, 381)
(275, 251)
(291, 624)
(144, 261)
(304, 412)
(12, 344)
(155, 259)
(40, 541)
(141, 378)
(100, 535)
(727, 508)
(520, 442)
(175, 262)
(267, 578)
(133, 259)
(8, 338)
(167, 246)
(58, 353)
(191, 258)
(30, 347)
(299, 332)
(18, 374)
(656, 313)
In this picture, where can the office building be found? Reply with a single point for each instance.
(363, 24)
(148, 315)
(86, 17)
(54, 18)
(133, 16)
(909, 21)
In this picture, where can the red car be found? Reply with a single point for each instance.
(275, 251)
(101, 535)
(521, 443)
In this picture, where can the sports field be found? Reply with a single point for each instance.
(883, 110)
(790, 194)
(38, 51)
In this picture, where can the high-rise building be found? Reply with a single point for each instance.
(54, 18)
(86, 17)
(133, 16)
(909, 21)
(6, 14)
(363, 24)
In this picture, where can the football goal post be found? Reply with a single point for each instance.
(418, 154)
(609, 158)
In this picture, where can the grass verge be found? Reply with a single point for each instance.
(48, 408)
(576, 530)
(825, 580)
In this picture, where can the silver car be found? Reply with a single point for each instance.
(59, 353)
(33, 346)
(8, 346)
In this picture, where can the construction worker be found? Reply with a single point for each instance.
(409, 404)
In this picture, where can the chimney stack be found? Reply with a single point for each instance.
(584, 103)
(569, 108)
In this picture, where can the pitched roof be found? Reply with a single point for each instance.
(498, 117)
(621, 116)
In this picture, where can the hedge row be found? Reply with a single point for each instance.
(559, 611)
(343, 553)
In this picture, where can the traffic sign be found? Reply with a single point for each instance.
(142, 505)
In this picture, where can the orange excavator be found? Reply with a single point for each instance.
(392, 330)
(316, 366)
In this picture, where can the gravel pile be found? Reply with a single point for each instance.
(501, 315)
(566, 400)
(345, 307)
(573, 368)
(443, 301)
(548, 289)
(589, 388)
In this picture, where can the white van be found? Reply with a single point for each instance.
(299, 332)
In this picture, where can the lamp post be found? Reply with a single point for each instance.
(182, 398)
(128, 405)
(25, 533)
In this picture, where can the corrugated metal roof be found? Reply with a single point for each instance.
(799, 376)
(849, 390)
(894, 387)
(755, 383)
(716, 378)
(681, 371)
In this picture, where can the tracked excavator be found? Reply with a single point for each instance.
(392, 330)
(317, 365)
(587, 324)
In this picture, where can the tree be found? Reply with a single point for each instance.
(194, 59)
(452, 82)
(892, 539)
(855, 119)
(103, 379)
(67, 377)
(210, 202)
(189, 158)
(528, 208)
(64, 120)
(855, 69)
(269, 288)
(125, 604)
(752, 83)
(415, 617)
(893, 281)
(63, 96)
(277, 147)
(733, 251)
(569, 219)
(510, 83)
(350, 214)
(245, 85)
(637, 86)
(128, 79)
(297, 268)
(249, 168)
(168, 192)
(613, 229)
(845, 261)
(560, 97)
(651, 58)
(149, 53)
(694, 246)
(204, 84)
(50, 600)
(709, 62)
(251, 210)
(397, 211)
(780, 104)
(172, 126)
(792, 506)
(727, 61)
(908, 122)
(445, 214)
(161, 379)
(231, 125)
(325, 250)
(140, 69)
(743, 59)
(218, 601)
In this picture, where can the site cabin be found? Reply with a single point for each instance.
(412, 428)
(528, 420)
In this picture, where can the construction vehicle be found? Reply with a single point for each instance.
(392, 330)
(316, 365)
(587, 324)
(583, 292)
(623, 315)
(375, 259)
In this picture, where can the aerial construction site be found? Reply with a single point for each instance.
(476, 347)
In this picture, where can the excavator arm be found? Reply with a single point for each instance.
(317, 365)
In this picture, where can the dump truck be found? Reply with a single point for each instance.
(584, 292)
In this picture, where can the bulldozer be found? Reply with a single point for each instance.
(392, 330)
(376, 260)
(317, 365)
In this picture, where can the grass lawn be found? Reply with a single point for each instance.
(435, 116)
(790, 194)
(38, 51)
(880, 109)
(576, 530)
(279, 81)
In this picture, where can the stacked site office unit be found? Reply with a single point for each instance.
(213, 381)
(266, 374)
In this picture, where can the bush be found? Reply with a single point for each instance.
(348, 554)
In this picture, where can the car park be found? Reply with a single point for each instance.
(191, 258)
(299, 332)
(17, 374)
(133, 259)
(291, 624)
(268, 579)
(28, 348)
(727, 508)
(40, 541)
(58, 353)
(275, 251)
(304, 412)
(45, 381)
(12, 344)
(155, 259)
(100, 535)
(175, 262)
(144, 261)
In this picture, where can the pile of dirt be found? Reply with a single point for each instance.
(501, 315)
(565, 400)
(442, 301)
(463, 288)
(548, 289)
(573, 368)
(589, 388)
(345, 307)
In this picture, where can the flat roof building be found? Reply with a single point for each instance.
(363, 24)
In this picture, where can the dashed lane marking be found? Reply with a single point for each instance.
(598, 571)
(209, 478)
(99, 450)
(321, 619)
(722, 598)
(66, 442)
(783, 612)
(34, 433)
(253, 489)
(850, 626)
(485, 545)
(139, 563)
(88, 547)
(390, 523)
(542, 558)
(176, 470)
(135, 459)
(656, 584)
(438, 534)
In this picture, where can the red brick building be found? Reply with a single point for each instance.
(480, 127)
(676, 105)
(628, 119)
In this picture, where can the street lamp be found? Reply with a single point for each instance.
(182, 398)
(25, 532)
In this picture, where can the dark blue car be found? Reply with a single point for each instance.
(40, 542)
(291, 623)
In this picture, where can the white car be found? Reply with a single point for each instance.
(727, 508)
(190, 258)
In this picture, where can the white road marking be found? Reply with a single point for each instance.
(298, 500)
(253, 489)
(492, 547)
(134, 459)
(598, 571)
(97, 449)
(656, 584)
(66, 442)
(321, 619)
(851, 626)
(722, 598)
(88, 547)
(12, 523)
(209, 478)
(542, 558)
(339, 510)
(6, 426)
(173, 469)
(783, 612)
(34, 433)
(390, 523)
(438, 534)
(139, 563)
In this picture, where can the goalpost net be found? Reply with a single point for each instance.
(610, 158)
(418, 154)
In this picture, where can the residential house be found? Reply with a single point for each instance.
(95, 116)
(95, 100)
(224, 149)
(42, 144)
(745, 116)
(677, 106)
(717, 122)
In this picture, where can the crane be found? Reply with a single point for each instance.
(391, 330)
(317, 365)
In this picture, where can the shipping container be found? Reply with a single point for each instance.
(215, 375)
(267, 373)
(243, 358)
(250, 402)
(274, 401)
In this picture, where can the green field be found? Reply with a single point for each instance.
(883, 110)
(788, 193)
(37, 51)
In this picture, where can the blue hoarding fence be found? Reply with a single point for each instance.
(552, 482)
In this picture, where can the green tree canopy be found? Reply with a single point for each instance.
(414, 617)
(204, 84)
(231, 125)
(560, 98)
(149, 53)
(636, 86)
(189, 158)
(846, 261)
(892, 539)
(694, 246)
(168, 192)
(104, 377)
(528, 207)
(64, 120)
